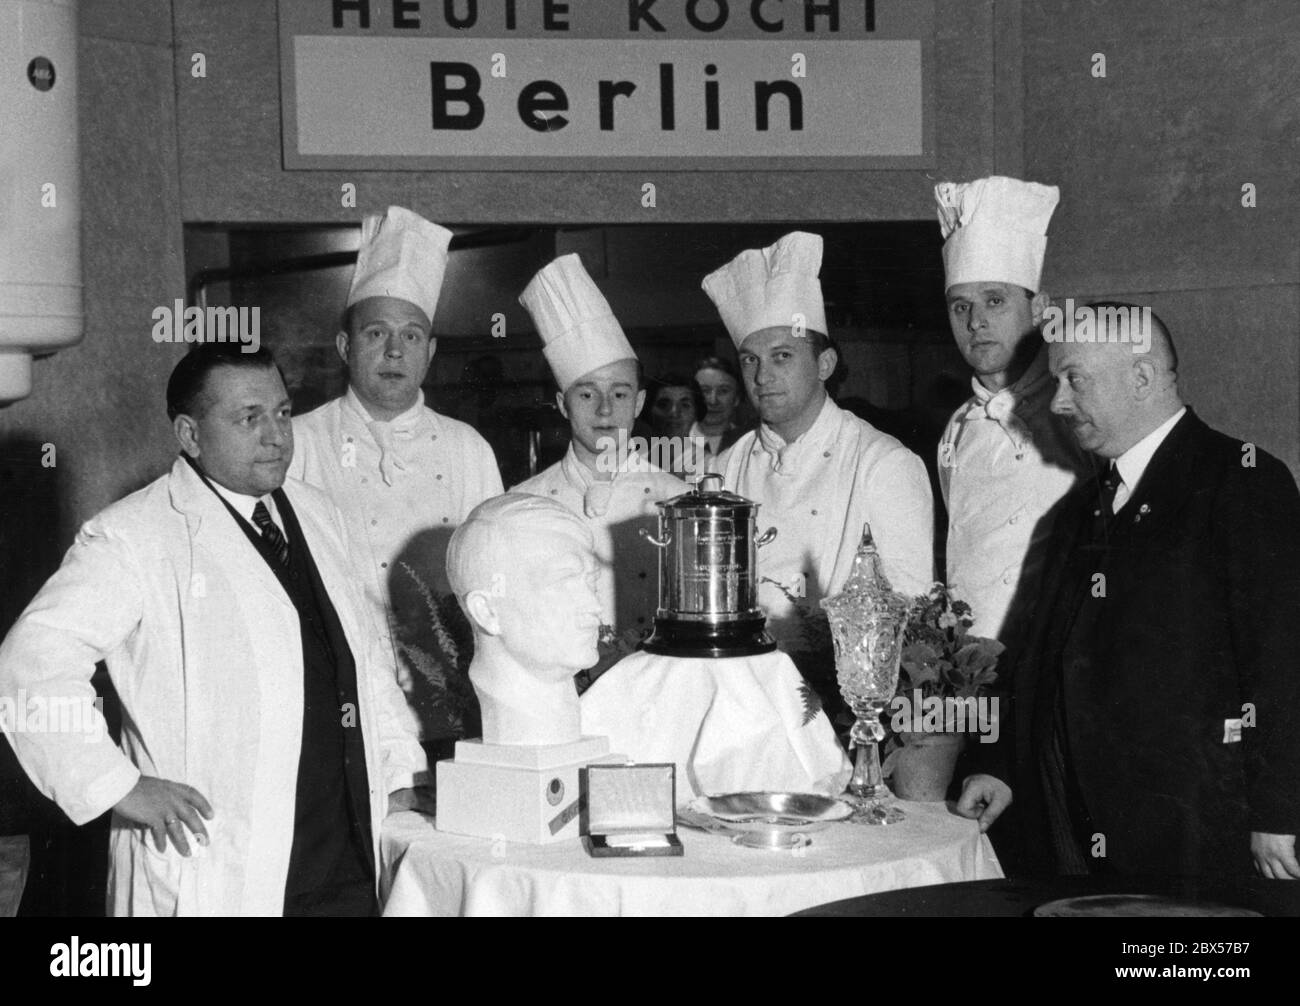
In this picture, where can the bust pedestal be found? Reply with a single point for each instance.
(515, 792)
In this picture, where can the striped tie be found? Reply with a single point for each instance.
(270, 533)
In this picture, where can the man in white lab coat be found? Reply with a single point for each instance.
(1004, 461)
(403, 475)
(818, 472)
(261, 736)
(613, 489)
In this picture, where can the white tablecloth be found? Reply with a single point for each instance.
(427, 872)
(730, 726)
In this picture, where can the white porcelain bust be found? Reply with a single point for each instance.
(524, 570)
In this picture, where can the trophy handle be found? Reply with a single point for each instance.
(766, 537)
(668, 537)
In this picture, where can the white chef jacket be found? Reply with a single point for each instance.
(629, 565)
(204, 649)
(818, 492)
(401, 531)
(1004, 462)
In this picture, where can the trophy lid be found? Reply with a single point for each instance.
(700, 502)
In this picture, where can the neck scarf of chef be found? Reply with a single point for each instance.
(1002, 406)
(391, 435)
(785, 456)
(596, 493)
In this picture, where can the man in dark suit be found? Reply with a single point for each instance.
(1156, 694)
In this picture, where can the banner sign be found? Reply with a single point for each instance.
(606, 84)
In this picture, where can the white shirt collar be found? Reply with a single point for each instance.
(1133, 462)
(244, 505)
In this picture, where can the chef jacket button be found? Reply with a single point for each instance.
(349, 440)
(1006, 579)
(641, 574)
(827, 454)
(1096, 513)
(363, 480)
(814, 513)
(646, 489)
(434, 437)
(1015, 518)
(439, 478)
(373, 523)
(383, 565)
(445, 519)
(555, 492)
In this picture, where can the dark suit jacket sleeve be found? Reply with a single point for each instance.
(1259, 522)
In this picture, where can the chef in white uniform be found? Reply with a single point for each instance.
(600, 395)
(403, 475)
(1004, 460)
(819, 473)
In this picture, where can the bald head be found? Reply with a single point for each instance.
(1134, 327)
(1116, 372)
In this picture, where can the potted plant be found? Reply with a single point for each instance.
(944, 682)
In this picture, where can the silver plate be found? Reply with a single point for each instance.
(764, 813)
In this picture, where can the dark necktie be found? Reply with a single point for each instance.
(1107, 486)
(1110, 483)
(270, 533)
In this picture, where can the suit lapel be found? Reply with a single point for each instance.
(213, 529)
(1165, 486)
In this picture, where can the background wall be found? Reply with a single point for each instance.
(1199, 99)
(100, 403)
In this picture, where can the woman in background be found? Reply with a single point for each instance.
(675, 407)
(719, 423)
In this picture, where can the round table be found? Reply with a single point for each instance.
(428, 872)
(1021, 895)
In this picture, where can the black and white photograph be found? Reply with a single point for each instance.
(652, 458)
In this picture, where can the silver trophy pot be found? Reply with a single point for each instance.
(708, 577)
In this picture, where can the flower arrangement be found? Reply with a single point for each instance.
(941, 658)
